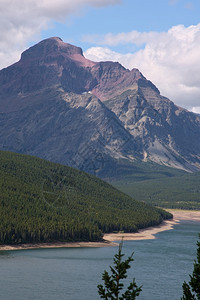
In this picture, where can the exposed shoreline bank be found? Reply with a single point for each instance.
(56, 245)
(143, 234)
(149, 233)
(178, 214)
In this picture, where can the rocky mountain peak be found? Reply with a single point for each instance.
(49, 108)
(49, 63)
(50, 47)
(53, 62)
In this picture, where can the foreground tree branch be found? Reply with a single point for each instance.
(113, 284)
(191, 290)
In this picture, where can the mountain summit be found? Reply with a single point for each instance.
(58, 105)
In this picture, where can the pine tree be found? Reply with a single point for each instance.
(113, 285)
(191, 291)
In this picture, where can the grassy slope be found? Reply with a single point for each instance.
(141, 171)
(158, 185)
(43, 201)
(176, 190)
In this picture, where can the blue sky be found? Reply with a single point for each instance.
(140, 15)
(159, 37)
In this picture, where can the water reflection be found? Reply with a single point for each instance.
(5, 254)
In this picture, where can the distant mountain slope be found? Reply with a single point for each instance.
(181, 191)
(42, 201)
(76, 130)
(57, 105)
(167, 134)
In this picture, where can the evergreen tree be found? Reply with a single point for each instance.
(113, 285)
(191, 291)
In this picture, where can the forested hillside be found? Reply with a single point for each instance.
(176, 191)
(42, 201)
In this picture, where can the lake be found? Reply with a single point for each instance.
(160, 265)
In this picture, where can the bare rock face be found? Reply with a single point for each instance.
(167, 134)
(113, 79)
(58, 105)
(49, 63)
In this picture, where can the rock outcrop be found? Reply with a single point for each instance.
(56, 104)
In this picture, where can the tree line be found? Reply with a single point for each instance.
(42, 201)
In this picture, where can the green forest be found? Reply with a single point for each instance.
(160, 186)
(41, 201)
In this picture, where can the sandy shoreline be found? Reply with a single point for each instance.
(56, 245)
(143, 234)
(149, 233)
(193, 215)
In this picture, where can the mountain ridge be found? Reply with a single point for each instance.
(58, 105)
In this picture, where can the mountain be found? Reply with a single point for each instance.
(41, 201)
(95, 116)
(167, 134)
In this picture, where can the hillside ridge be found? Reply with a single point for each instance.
(41, 201)
(60, 106)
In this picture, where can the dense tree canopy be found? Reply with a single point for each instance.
(113, 287)
(170, 189)
(42, 201)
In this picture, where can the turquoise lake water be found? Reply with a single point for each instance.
(160, 265)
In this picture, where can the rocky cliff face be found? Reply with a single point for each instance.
(57, 105)
(167, 134)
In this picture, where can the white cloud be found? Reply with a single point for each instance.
(134, 37)
(196, 109)
(171, 60)
(22, 20)
(105, 54)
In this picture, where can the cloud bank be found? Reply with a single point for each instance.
(171, 60)
(21, 21)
